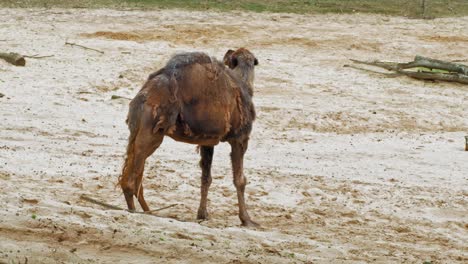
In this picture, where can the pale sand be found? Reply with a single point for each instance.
(343, 166)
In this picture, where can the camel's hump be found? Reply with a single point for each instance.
(181, 60)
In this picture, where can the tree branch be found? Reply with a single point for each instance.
(106, 205)
(389, 75)
(113, 207)
(448, 77)
(455, 72)
(420, 61)
(37, 56)
(84, 47)
(391, 66)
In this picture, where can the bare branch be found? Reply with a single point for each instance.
(448, 77)
(84, 47)
(420, 61)
(389, 75)
(113, 207)
(106, 205)
(37, 56)
(159, 209)
(455, 72)
(391, 66)
(465, 60)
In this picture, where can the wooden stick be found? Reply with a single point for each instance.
(389, 75)
(113, 207)
(109, 206)
(84, 47)
(391, 66)
(159, 209)
(37, 56)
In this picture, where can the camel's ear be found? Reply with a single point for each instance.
(233, 63)
(255, 61)
(227, 58)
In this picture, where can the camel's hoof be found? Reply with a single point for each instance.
(131, 210)
(251, 224)
(202, 215)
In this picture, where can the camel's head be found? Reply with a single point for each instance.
(242, 62)
(241, 57)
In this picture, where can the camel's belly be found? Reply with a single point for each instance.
(180, 135)
(208, 120)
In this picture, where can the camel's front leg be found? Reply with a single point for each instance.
(205, 164)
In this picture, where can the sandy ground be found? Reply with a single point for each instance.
(344, 166)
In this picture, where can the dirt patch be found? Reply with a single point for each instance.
(180, 34)
(202, 35)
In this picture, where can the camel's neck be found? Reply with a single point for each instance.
(246, 75)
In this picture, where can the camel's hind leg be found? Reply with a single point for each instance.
(239, 147)
(206, 154)
(141, 198)
(144, 144)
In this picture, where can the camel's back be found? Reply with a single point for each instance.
(206, 91)
(211, 101)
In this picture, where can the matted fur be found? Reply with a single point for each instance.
(195, 99)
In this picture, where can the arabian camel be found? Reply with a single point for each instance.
(194, 99)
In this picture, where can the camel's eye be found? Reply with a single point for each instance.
(255, 61)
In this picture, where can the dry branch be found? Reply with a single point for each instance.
(113, 207)
(159, 209)
(391, 66)
(448, 77)
(420, 61)
(84, 47)
(453, 72)
(462, 60)
(13, 58)
(389, 75)
(106, 205)
(37, 56)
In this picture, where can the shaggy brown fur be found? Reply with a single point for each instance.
(193, 99)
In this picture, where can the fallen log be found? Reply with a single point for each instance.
(435, 76)
(13, 58)
(420, 61)
(448, 71)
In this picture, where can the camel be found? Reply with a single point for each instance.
(194, 99)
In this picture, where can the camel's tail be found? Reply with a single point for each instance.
(133, 122)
